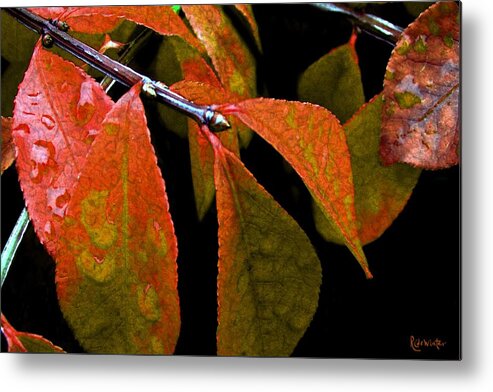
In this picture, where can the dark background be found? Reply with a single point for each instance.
(416, 262)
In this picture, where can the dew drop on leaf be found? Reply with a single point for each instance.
(22, 128)
(48, 121)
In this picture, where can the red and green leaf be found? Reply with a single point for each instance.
(381, 192)
(231, 58)
(161, 19)
(420, 124)
(247, 12)
(334, 81)
(8, 148)
(233, 62)
(58, 112)
(269, 274)
(116, 260)
(201, 154)
(175, 61)
(24, 342)
(312, 140)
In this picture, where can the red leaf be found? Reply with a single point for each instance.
(420, 124)
(58, 112)
(313, 141)
(8, 149)
(247, 12)
(24, 342)
(116, 260)
(161, 19)
(269, 274)
(230, 56)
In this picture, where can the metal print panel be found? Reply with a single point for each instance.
(264, 180)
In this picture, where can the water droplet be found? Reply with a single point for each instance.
(48, 121)
(101, 269)
(62, 200)
(85, 107)
(37, 172)
(57, 199)
(22, 128)
(49, 231)
(39, 154)
(91, 135)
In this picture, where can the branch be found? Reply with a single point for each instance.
(372, 24)
(53, 35)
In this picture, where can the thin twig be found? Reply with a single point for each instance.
(13, 243)
(372, 24)
(204, 115)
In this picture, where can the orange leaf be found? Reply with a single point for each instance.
(247, 12)
(8, 149)
(116, 261)
(161, 19)
(313, 141)
(230, 56)
(24, 342)
(420, 123)
(58, 112)
(269, 274)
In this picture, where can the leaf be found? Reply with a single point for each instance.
(116, 260)
(176, 61)
(247, 12)
(381, 192)
(230, 56)
(17, 47)
(201, 154)
(269, 274)
(334, 81)
(312, 140)
(8, 149)
(57, 114)
(420, 124)
(24, 342)
(161, 19)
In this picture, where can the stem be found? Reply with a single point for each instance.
(13, 243)
(123, 74)
(372, 24)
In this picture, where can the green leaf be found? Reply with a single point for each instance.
(334, 82)
(381, 192)
(269, 274)
(17, 47)
(116, 270)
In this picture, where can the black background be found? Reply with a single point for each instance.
(416, 262)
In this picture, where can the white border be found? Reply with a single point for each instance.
(474, 373)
